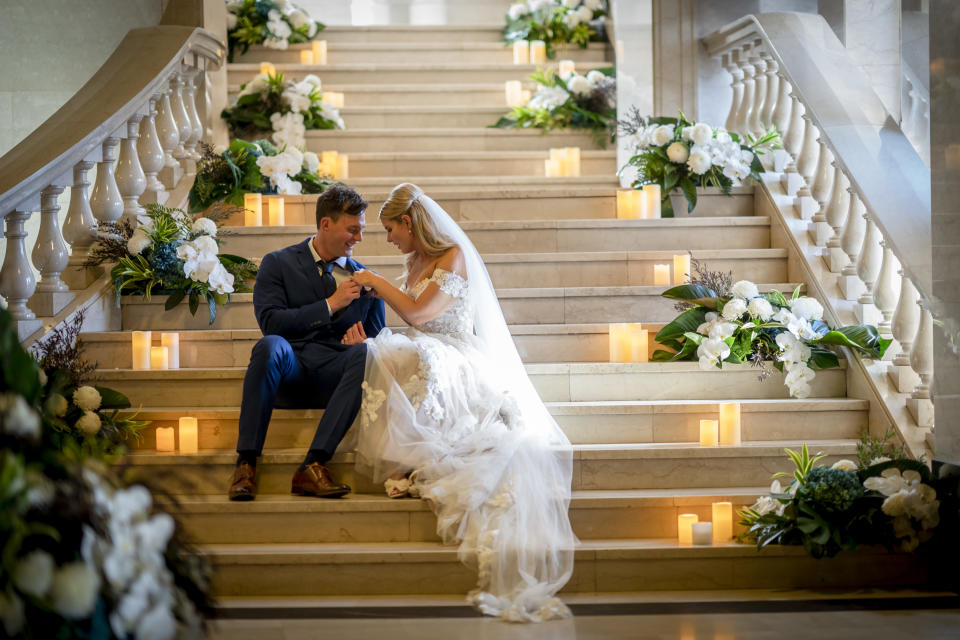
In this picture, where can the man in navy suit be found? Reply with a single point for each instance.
(313, 318)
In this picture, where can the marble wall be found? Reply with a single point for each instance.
(417, 12)
(872, 37)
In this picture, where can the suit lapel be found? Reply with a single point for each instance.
(305, 258)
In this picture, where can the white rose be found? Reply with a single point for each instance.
(734, 308)
(663, 134)
(579, 85)
(76, 587)
(33, 574)
(298, 19)
(205, 226)
(585, 13)
(678, 152)
(744, 289)
(138, 242)
(760, 308)
(699, 162)
(517, 11)
(11, 613)
(701, 133)
(310, 161)
(57, 405)
(89, 423)
(845, 465)
(807, 308)
(18, 417)
(87, 398)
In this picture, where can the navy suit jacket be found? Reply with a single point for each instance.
(288, 300)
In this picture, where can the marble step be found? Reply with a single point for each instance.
(444, 139)
(285, 519)
(468, 163)
(432, 52)
(215, 387)
(598, 422)
(534, 305)
(596, 467)
(488, 94)
(393, 73)
(343, 34)
(601, 566)
(403, 117)
(536, 236)
(509, 199)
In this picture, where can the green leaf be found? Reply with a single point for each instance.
(695, 293)
(823, 359)
(862, 337)
(174, 299)
(194, 302)
(686, 322)
(111, 399)
(689, 191)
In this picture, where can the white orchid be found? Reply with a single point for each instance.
(548, 98)
(711, 352)
(18, 418)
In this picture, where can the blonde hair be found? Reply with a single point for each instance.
(404, 200)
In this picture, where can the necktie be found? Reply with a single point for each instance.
(326, 277)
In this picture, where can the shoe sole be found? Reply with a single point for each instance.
(242, 498)
(313, 494)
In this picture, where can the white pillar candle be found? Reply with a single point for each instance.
(651, 200)
(619, 342)
(188, 435)
(566, 66)
(514, 93)
(681, 269)
(521, 52)
(525, 96)
(159, 358)
(306, 56)
(172, 342)
(702, 533)
(639, 344)
(319, 50)
(253, 210)
(730, 424)
(165, 439)
(572, 159)
(267, 69)
(661, 275)
(141, 349)
(625, 204)
(538, 52)
(685, 528)
(552, 168)
(343, 167)
(275, 210)
(708, 433)
(722, 522)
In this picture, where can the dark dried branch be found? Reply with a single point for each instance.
(62, 349)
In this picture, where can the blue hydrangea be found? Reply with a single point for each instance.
(829, 489)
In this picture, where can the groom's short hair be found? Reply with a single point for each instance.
(338, 200)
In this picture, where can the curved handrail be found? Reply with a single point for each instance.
(881, 164)
(138, 68)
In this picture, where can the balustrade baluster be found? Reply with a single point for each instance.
(906, 322)
(823, 177)
(921, 361)
(105, 201)
(796, 133)
(742, 125)
(169, 135)
(836, 216)
(783, 112)
(868, 269)
(50, 252)
(151, 156)
(130, 177)
(190, 103)
(851, 241)
(79, 229)
(771, 101)
(755, 124)
(731, 64)
(184, 127)
(17, 282)
(809, 152)
(207, 118)
(886, 291)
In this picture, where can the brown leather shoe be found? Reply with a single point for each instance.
(244, 485)
(315, 480)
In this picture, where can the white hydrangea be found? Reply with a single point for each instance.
(579, 85)
(75, 589)
(663, 134)
(138, 241)
(593, 5)
(87, 398)
(734, 308)
(18, 418)
(33, 574)
(744, 289)
(517, 10)
(844, 465)
(585, 14)
(548, 98)
(807, 308)
(89, 423)
(711, 352)
(699, 161)
(678, 152)
(205, 226)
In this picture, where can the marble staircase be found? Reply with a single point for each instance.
(564, 268)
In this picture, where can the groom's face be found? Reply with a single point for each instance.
(339, 236)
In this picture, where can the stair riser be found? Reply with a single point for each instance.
(418, 119)
(346, 35)
(422, 140)
(421, 95)
(238, 74)
(597, 163)
(518, 240)
(455, 54)
(213, 392)
(287, 431)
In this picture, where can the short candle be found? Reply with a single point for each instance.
(681, 269)
(275, 210)
(141, 349)
(651, 200)
(722, 521)
(730, 424)
(661, 275)
(566, 66)
(702, 533)
(172, 342)
(525, 96)
(685, 528)
(514, 93)
(708, 433)
(165, 439)
(538, 52)
(159, 358)
(188, 435)
(253, 209)
(319, 50)
(267, 69)
(521, 52)
(306, 56)
(625, 208)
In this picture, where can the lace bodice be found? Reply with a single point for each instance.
(455, 319)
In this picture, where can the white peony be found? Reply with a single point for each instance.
(89, 423)
(57, 405)
(711, 352)
(663, 134)
(17, 417)
(760, 308)
(678, 152)
(33, 574)
(298, 19)
(517, 10)
(205, 226)
(593, 5)
(585, 13)
(11, 613)
(699, 161)
(138, 242)
(744, 289)
(701, 133)
(310, 161)
(845, 465)
(734, 308)
(579, 85)
(87, 398)
(807, 308)
(76, 587)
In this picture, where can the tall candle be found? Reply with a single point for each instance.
(188, 435)
(639, 343)
(538, 52)
(275, 210)
(521, 52)
(566, 66)
(343, 167)
(267, 69)
(685, 528)
(708, 433)
(661, 275)
(306, 56)
(702, 533)
(253, 209)
(722, 521)
(552, 168)
(730, 424)
(525, 96)
(172, 342)
(619, 342)
(651, 200)
(319, 50)
(165, 439)
(572, 158)
(159, 358)
(514, 93)
(625, 208)
(141, 349)
(681, 269)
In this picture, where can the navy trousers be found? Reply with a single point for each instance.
(317, 376)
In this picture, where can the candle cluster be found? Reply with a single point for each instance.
(334, 165)
(533, 52)
(147, 357)
(189, 437)
(639, 203)
(628, 342)
(725, 431)
(333, 98)
(516, 95)
(562, 163)
(690, 531)
(267, 69)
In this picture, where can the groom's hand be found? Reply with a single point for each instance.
(354, 335)
(347, 292)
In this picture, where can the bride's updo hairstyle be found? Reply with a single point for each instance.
(405, 200)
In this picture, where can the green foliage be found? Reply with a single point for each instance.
(249, 117)
(870, 448)
(548, 24)
(251, 27)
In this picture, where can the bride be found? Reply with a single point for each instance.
(449, 414)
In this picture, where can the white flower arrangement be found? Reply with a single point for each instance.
(556, 22)
(912, 504)
(274, 23)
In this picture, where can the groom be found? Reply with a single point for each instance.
(305, 303)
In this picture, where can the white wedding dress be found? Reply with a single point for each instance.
(450, 400)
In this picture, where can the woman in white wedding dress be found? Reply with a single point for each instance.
(449, 414)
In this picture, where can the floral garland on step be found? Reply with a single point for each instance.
(288, 108)
(744, 325)
(569, 100)
(556, 22)
(273, 23)
(678, 154)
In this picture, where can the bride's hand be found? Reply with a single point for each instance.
(366, 278)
